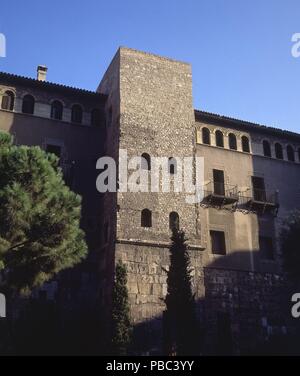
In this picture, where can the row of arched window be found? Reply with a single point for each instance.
(219, 140)
(290, 151)
(146, 163)
(232, 141)
(57, 108)
(146, 219)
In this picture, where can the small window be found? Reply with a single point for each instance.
(290, 153)
(219, 139)
(205, 136)
(245, 144)
(28, 104)
(76, 114)
(218, 246)
(146, 162)
(172, 166)
(299, 154)
(267, 149)
(8, 101)
(146, 218)
(54, 149)
(232, 141)
(174, 221)
(56, 110)
(278, 151)
(96, 117)
(266, 248)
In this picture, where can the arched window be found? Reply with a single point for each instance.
(267, 148)
(278, 151)
(76, 114)
(232, 141)
(172, 166)
(28, 104)
(146, 162)
(205, 136)
(245, 144)
(174, 221)
(146, 218)
(8, 101)
(219, 139)
(96, 117)
(56, 110)
(290, 153)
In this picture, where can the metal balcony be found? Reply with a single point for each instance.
(260, 200)
(219, 194)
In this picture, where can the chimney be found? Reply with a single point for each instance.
(41, 72)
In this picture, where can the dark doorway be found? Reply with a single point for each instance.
(259, 190)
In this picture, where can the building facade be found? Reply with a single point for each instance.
(144, 105)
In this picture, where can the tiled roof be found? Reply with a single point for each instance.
(15, 79)
(244, 125)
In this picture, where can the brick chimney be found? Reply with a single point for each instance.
(41, 72)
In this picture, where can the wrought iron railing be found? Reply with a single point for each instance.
(255, 195)
(214, 188)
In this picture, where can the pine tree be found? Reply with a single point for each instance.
(180, 324)
(121, 328)
(39, 218)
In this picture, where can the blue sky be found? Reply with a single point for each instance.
(240, 50)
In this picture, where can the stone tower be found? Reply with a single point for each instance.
(150, 110)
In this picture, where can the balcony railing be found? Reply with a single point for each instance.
(219, 193)
(260, 199)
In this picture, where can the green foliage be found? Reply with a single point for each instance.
(180, 324)
(290, 244)
(6, 140)
(39, 218)
(121, 328)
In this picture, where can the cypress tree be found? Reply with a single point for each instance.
(121, 328)
(180, 324)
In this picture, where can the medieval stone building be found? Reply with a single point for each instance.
(144, 105)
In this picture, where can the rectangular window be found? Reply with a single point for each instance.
(54, 149)
(266, 248)
(218, 245)
(259, 190)
(219, 186)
